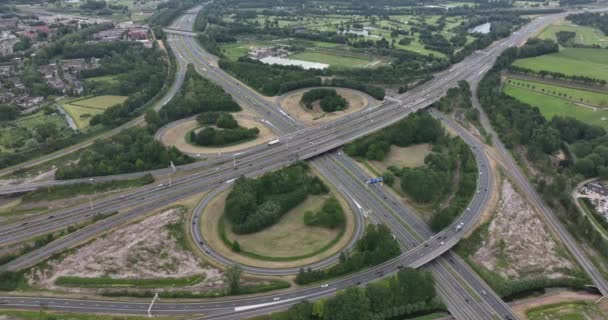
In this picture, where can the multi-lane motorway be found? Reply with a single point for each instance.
(462, 290)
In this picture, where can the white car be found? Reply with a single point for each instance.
(276, 299)
(324, 285)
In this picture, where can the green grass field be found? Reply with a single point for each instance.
(81, 110)
(575, 310)
(290, 238)
(584, 35)
(552, 106)
(583, 96)
(109, 79)
(571, 61)
(334, 61)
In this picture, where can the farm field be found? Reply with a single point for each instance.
(583, 96)
(584, 35)
(81, 110)
(571, 61)
(576, 310)
(552, 106)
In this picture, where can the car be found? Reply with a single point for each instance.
(324, 285)
(200, 242)
(358, 283)
(91, 179)
(442, 243)
(276, 299)
(399, 266)
(51, 217)
(160, 185)
(483, 292)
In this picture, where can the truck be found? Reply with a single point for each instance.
(273, 142)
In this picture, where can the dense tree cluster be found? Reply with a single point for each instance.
(197, 95)
(329, 216)
(522, 126)
(329, 99)
(271, 80)
(220, 119)
(8, 112)
(140, 73)
(167, 11)
(597, 20)
(408, 292)
(212, 137)
(254, 204)
(458, 98)
(416, 128)
(132, 150)
(565, 38)
(376, 246)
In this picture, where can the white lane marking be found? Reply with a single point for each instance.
(260, 305)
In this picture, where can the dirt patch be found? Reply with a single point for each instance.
(176, 136)
(142, 250)
(523, 306)
(518, 243)
(281, 239)
(356, 101)
(410, 157)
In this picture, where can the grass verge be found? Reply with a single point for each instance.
(129, 282)
(66, 191)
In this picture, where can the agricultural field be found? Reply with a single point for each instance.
(584, 35)
(591, 98)
(550, 106)
(81, 110)
(575, 310)
(571, 61)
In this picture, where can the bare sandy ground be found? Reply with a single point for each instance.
(356, 101)
(214, 211)
(176, 136)
(518, 243)
(141, 250)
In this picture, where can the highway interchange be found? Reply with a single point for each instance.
(459, 286)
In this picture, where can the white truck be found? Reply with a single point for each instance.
(273, 142)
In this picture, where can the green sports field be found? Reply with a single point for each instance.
(582, 96)
(571, 61)
(552, 106)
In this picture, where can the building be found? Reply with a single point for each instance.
(7, 42)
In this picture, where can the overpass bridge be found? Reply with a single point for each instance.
(180, 32)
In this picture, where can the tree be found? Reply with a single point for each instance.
(236, 247)
(8, 112)
(233, 276)
(348, 305)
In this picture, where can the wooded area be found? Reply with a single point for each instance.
(376, 246)
(254, 204)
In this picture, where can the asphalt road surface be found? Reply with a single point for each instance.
(296, 146)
